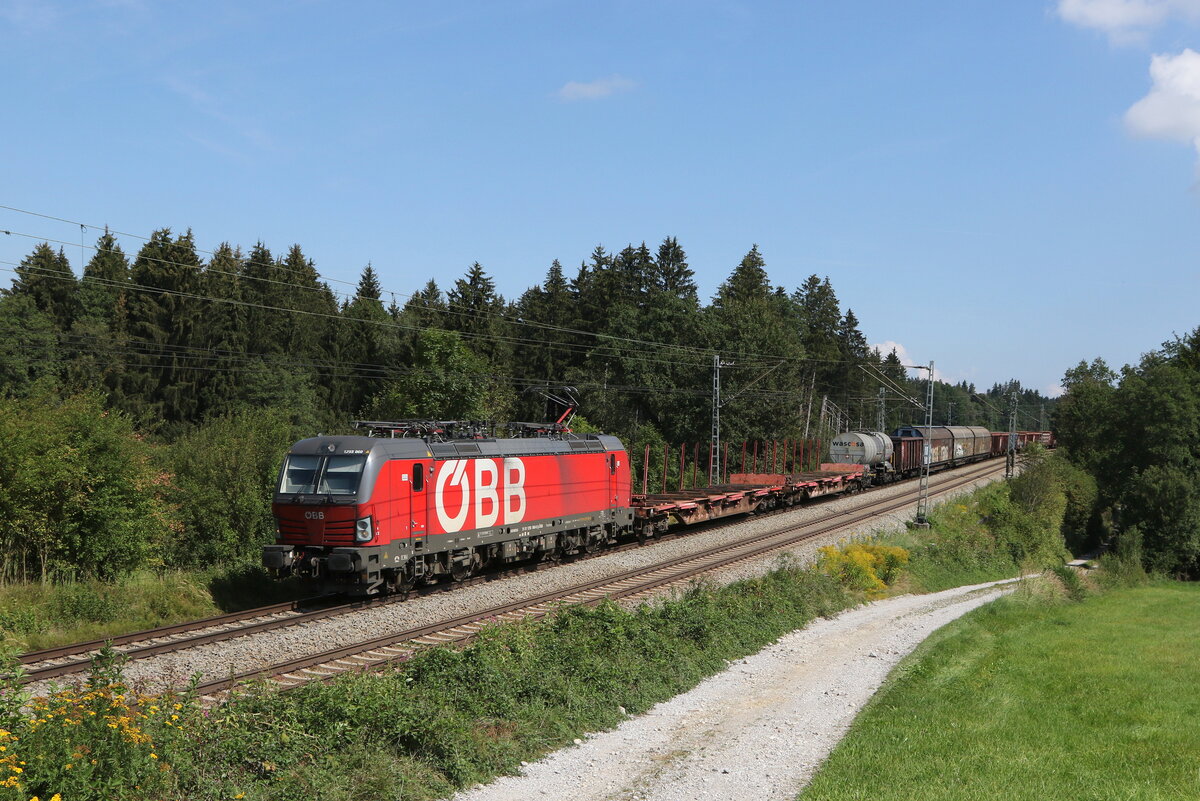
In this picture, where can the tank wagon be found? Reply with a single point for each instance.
(868, 448)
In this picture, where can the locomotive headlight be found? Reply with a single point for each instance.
(363, 530)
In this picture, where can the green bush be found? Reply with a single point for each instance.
(1122, 565)
(863, 566)
(998, 529)
(223, 478)
(83, 602)
(79, 496)
(1071, 582)
(1144, 464)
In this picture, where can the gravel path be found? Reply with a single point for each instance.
(219, 660)
(758, 730)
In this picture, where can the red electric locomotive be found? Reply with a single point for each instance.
(361, 514)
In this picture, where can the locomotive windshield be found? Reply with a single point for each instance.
(321, 475)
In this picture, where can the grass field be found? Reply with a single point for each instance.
(34, 615)
(1024, 700)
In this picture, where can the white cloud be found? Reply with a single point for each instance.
(1172, 108)
(595, 90)
(907, 359)
(1053, 390)
(1125, 20)
(885, 348)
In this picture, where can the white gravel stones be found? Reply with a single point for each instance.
(759, 729)
(254, 652)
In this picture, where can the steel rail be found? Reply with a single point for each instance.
(213, 627)
(74, 649)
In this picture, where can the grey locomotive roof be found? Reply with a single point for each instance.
(415, 448)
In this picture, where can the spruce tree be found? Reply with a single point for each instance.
(99, 344)
(477, 311)
(265, 293)
(224, 331)
(366, 346)
(544, 361)
(45, 277)
(750, 328)
(678, 407)
(163, 385)
(29, 347)
(103, 292)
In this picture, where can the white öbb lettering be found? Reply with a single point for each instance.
(314, 515)
(485, 485)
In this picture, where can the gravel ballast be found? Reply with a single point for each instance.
(759, 729)
(257, 652)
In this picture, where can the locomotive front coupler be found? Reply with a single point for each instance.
(278, 558)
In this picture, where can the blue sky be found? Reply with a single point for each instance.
(1003, 187)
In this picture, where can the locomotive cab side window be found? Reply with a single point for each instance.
(418, 477)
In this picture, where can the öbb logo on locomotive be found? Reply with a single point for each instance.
(460, 479)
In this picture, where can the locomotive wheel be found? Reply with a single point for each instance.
(591, 545)
(405, 581)
(460, 571)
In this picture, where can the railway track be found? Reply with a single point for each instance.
(629, 587)
(65, 660)
(54, 663)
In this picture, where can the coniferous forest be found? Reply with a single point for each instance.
(146, 405)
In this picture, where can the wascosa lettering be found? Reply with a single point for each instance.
(487, 487)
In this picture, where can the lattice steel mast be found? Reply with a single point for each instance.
(714, 455)
(926, 455)
(1010, 457)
